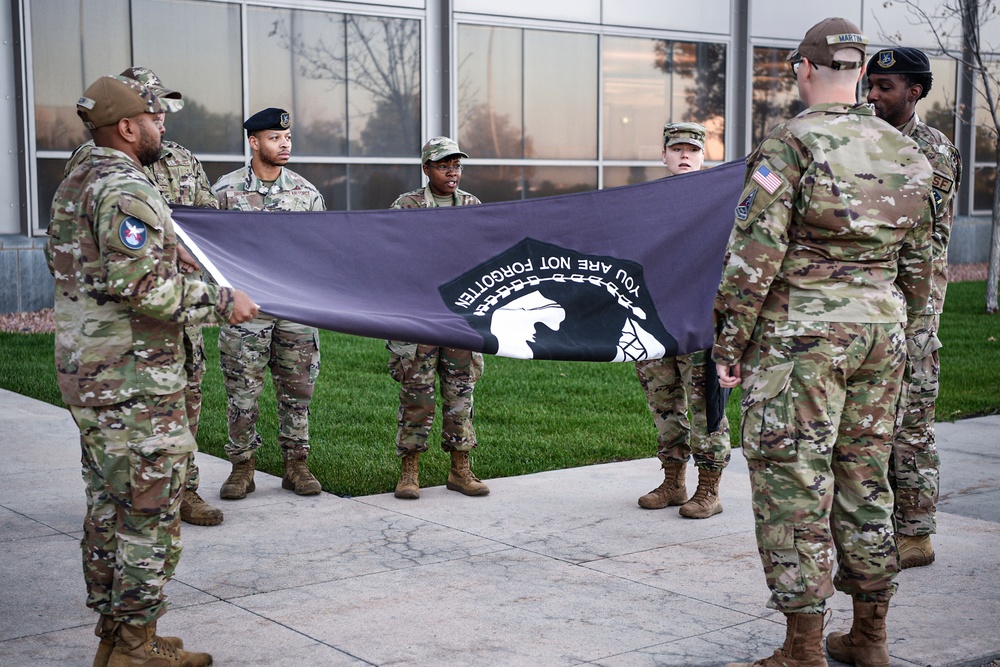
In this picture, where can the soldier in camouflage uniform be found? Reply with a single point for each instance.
(899, 78)
(181, 179)
(121, 306)
(289, 349)
(674, 385)
(417, 367)
(829, 256)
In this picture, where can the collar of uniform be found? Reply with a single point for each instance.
(107, 152)
(863, 108)
(910, 125)
(456, 198)
(254, 184)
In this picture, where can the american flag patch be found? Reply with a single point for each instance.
(767, 179)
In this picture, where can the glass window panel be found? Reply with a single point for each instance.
(383, 70)
(492, 183)
(204, 32)
(775, 93)
(702, 16)
(216, 170)
(352, 83)
(329, 179)
(648, 82)
(560, 95)
(785, 19)
(73, 43)
(982, 200)
(50, 175)
(296, 62)
(546, 181)
(374, 186)
(986, 148)
(617, 176)
(558, 10)
(938, 108)
(489, 92)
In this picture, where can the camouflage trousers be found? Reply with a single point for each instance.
(194, 370)
(291, 352)
(914, 472)
(416, 368)
(819, 404)
(135, 459)
(675, 387)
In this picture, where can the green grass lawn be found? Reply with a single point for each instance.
(530, 415)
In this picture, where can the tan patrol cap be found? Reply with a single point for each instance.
(171, 100)
(684, 133)
(826, 38)
(111, 98)
(439, 148)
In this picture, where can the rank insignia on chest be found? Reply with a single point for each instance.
(132, 233)
(743, 209)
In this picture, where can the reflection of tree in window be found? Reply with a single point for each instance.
(202, 131)
(942, 117)
(380, 63)
(775, 95)
(702, 66)
(483, 132)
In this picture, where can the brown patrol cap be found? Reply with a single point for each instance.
(111, 98)
(171, 100)
(826, 38)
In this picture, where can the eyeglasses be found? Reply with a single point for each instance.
(445, 168)
(795, 67)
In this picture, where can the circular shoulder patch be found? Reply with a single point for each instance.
(132, 233)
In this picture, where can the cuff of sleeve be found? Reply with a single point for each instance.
(225, 303)
(723, 353)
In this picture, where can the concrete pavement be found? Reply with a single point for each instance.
(557, 568)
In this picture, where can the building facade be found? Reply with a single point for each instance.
(546, 97)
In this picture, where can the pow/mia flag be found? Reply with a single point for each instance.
(622, 274)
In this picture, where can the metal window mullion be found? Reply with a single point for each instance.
(600, 106)
(245, 72)
(29, 165)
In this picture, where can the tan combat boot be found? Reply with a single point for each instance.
(461, 479)
(299, 479)
(409, 482)
(865, 645)
(138, 646)
(803, 645)
(106, 631)
(195, 510)
(914, 550)
(705, 501)
(240, 481)
(673, 491)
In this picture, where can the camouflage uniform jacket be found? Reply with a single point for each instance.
(946, 162)
(833, 226)
(241, 190)
(424, 198)
(177, 174)
(120, 302)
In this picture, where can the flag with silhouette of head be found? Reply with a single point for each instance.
(622, 274)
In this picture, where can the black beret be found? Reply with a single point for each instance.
(899, 60)
(269, 119)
